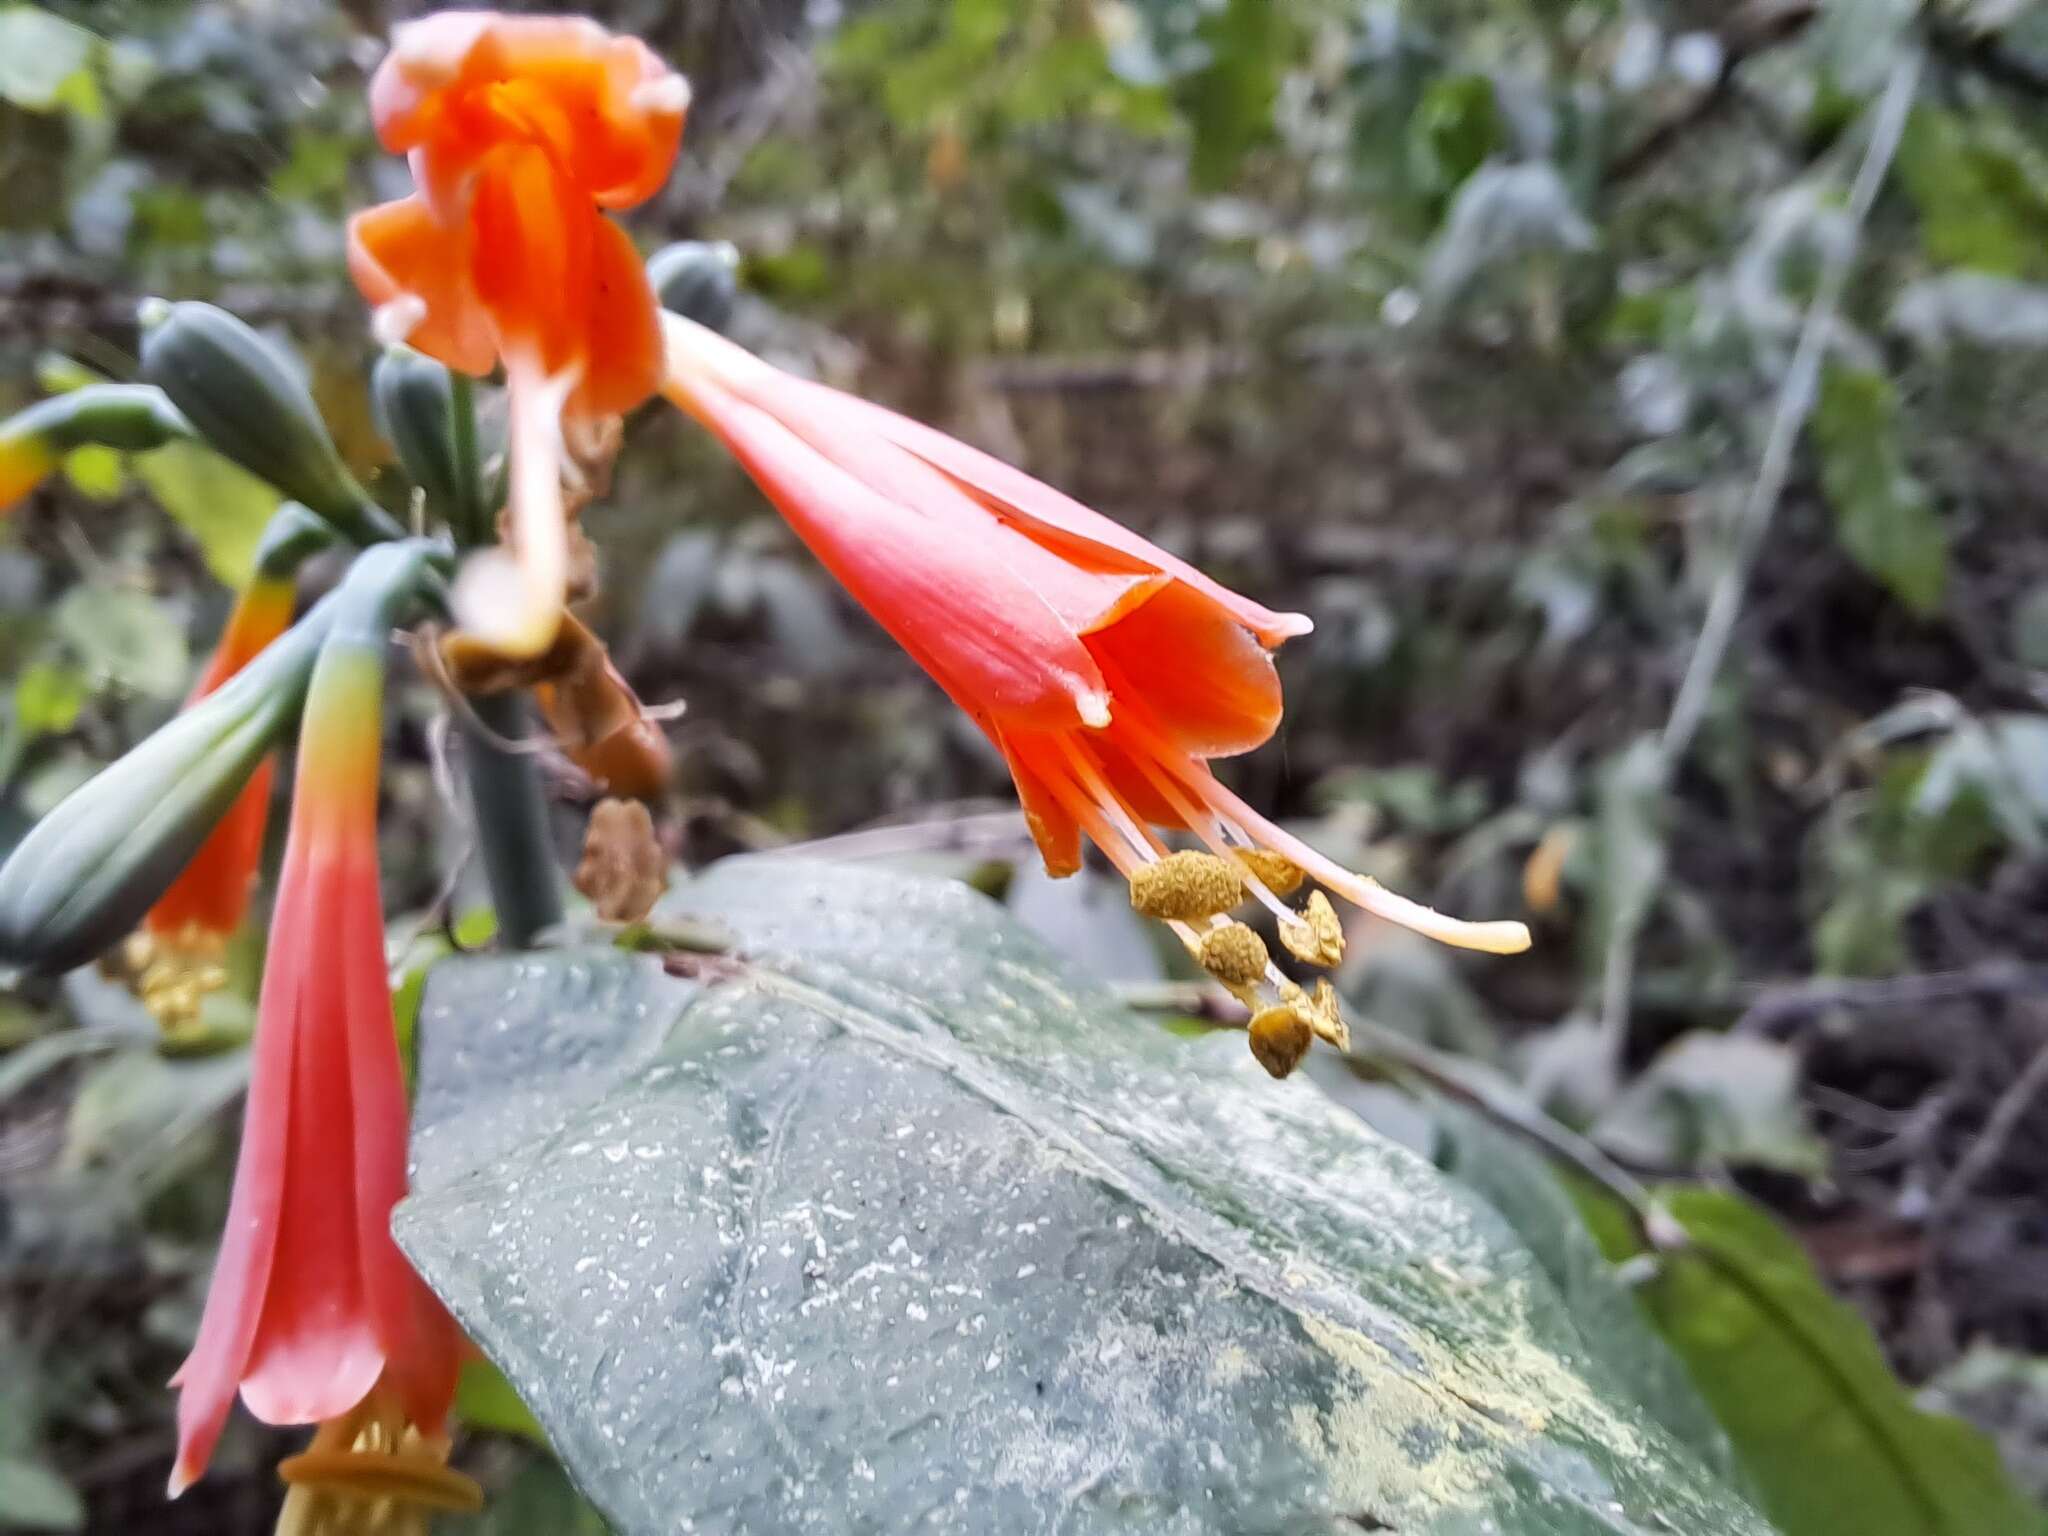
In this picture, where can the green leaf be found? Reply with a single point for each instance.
(539, 1501)
(1540, 1209)
(1229, 100)
(124, 638)
(898, 1208)
(48, 697)
(1981, 190)
(1455, 127)
(95, 470)
(1884, 517)
(39, 55)
(484, 1399)
(222, 505)
(34, 1498)
(1827, 1432)
(1633, 804)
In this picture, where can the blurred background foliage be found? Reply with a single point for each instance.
(1472, 328)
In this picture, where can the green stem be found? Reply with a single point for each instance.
(475, 516)
(512, 825)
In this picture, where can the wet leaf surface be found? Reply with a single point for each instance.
(901, 1225)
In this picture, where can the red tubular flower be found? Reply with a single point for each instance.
(313, 1315)
(520, 132)
(1106, 671)
(206, 903)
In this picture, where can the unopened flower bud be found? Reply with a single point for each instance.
(243, 397)
(131, 417)
(87, 872)
(697, 279)
(413, 399)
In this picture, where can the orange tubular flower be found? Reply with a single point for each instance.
(520, 132)
(1106, 671)
(313, 1315)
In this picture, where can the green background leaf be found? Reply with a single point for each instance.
(222, 505)
(1884, 516)
(1797, 1380)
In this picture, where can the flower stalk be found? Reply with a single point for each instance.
(511, 809)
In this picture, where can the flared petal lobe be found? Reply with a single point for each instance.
(400, 254)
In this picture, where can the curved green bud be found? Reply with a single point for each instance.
(132, 417)
(87, 872)
(698, 279)
(244, 399)
(294, 534)
(429, 417)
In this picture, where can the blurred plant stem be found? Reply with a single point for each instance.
(1788, 419)
(520, 867)
(473, 518)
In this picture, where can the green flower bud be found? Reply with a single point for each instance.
(87, 872)
(134, 417)
(243, 398)
(429, 418)
(293, 536)
(697, 279)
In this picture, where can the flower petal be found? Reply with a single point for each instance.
(212, 1373)
(399, 251)
(457, 84)
(948, 595)
(1051, 516)
(1201, 675)
(315, 1354)
(621, 327)
(1052, 825)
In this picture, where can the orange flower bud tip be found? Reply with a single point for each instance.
(24, 460)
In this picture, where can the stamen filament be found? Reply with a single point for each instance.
(1106, 800)
(1494, 938)
(1120, 845)
(1210, 829)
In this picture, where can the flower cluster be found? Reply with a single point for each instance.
(1109, 674)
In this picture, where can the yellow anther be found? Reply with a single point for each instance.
(1325, 1018)
(1275, 871)
(1233, 954)
(370, 1473)
(1187, 887)
(1317, 936)
(173, 974)
(1280, 1036)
